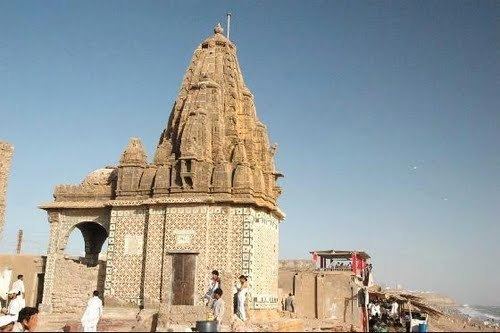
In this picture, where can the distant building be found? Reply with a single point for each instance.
(207, 201)
(6, 152)
(330, 286)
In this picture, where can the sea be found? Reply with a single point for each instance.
(483, 313)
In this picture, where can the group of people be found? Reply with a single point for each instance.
(382, 315)
(17, 317)
(213, 298)
(341, 266)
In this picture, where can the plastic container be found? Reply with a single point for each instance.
(422, 327)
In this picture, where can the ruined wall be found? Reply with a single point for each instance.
(336, 297)
(6, 152)
(305, 294)
(322, 295)
(62, 224)
(76, 282)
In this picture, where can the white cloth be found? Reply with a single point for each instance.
(242, 293)
(15, 306)
(5, 278)
(92, 314)
(18, 327)
(394, 309)
(6, 320)
(218, 308)
(17, 286)
(90, 328)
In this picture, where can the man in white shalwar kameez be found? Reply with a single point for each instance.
(16, 304)
(18, 285)
(92, 314)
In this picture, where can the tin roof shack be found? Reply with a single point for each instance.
(32, 267)
(328, 287)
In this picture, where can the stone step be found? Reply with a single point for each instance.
(114, 320)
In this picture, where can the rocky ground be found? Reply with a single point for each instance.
(126, 320)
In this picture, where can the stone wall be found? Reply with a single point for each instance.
(232, 240)
(6, 152)
(76, 282)
(322, 295)
(62, 224)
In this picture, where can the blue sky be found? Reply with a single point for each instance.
(386, 114)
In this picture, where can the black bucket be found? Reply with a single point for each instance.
(206, 326)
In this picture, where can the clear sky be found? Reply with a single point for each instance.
(387, 117)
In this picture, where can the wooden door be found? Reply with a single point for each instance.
(183, 266)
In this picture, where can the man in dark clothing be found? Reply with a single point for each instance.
(290, 303)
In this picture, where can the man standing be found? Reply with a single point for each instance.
(92, 314)
(218, 308)
(241, 294)
(213, 285)
(18, 286)
(289, 303)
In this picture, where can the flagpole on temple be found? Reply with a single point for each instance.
(228, 24)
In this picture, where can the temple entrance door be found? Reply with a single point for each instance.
(183, 265)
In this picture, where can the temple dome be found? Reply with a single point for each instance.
(104, 176)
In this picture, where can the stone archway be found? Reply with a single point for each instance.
(94, 236)
(69, 279)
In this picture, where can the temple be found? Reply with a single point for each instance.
(207, 200)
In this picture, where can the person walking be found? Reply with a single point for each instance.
(218, 308)
(92, 314)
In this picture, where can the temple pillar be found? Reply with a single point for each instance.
(53, 254)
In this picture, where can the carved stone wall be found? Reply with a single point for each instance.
(263, 264)
(6, 152)
(126, 252)
(141, 272)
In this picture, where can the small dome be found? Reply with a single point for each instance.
(100, 177)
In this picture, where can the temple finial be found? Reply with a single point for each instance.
(218, 29)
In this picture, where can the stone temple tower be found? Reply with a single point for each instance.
(6, 152)
(207, 200)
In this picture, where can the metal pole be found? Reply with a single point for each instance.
(228, 24)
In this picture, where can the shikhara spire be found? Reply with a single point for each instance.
(213, 146)
(214, 142)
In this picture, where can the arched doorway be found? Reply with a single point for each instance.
(94, 237)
